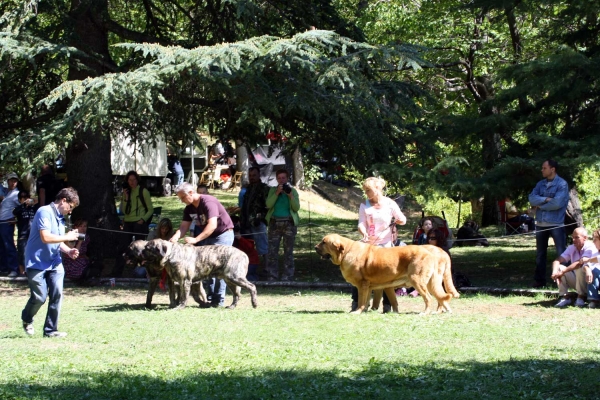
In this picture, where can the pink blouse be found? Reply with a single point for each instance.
(376, 221)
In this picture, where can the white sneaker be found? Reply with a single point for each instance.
(13, 274)
(579, 302)
(564, 302)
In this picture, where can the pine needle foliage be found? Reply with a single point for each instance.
(316, 87)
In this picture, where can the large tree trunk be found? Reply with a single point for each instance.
(88, 157)
(298, 167)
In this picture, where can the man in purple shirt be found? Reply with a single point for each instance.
(212, 226)
(573, 276)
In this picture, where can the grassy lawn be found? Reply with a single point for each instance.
(302, 344)
(298, 345)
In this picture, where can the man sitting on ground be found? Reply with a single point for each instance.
(573, 276)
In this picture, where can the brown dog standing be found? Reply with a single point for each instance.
(371, 267)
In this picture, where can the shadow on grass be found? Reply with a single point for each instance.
(375, 379)
(120, 307)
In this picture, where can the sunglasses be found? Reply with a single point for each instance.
(432, 238)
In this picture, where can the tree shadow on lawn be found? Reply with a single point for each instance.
(119, 307)
(376, 378)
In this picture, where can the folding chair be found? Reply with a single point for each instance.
(155, 218)
(507, 227)
(236, 182)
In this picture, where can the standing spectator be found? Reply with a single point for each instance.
(247, 246)
(212, 226)
(8, 251)
(217, 152)
(24, 214)
(137, 207)
(376, 217)
(550, 198)
(175, 169)
(283, 204)
(573, 276)
(253, 211)
(43, 263)
(47, 186)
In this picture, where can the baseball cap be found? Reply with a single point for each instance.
(12, 175)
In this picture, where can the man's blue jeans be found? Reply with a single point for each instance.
(216, 287)
(542, 234)
(8, 251)
(45, 284)
(259, 235)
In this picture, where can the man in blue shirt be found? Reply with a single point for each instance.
(43, 262)
(550, 198)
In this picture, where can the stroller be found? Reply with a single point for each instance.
(439, 223)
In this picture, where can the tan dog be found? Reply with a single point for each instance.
(372, 267)
(444, 270)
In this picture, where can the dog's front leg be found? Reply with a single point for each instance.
(151, 290)
(363, 294)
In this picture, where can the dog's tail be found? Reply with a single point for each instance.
(448, 283)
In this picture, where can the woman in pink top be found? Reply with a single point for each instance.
(376, 214)
(376, 218)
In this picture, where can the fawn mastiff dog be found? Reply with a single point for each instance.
(134, 254)
(186, 264)
(371, 267)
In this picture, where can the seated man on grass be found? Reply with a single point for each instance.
(573, 275)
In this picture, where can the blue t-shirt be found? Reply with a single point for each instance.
(11, 200)
(40, 255)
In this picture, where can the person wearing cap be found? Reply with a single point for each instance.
(8, 251)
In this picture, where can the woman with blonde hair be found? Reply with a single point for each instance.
(377, 218)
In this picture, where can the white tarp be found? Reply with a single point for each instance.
(148, 160)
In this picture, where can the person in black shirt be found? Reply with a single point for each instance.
(24, 214)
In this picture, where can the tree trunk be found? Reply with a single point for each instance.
(574, 215)
(241, 160)
(88, 157)
(298, 167)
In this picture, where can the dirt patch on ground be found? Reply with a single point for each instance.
(313, 201)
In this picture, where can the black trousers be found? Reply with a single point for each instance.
(386, 301)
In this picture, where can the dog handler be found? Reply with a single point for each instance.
(213, 226)
(43, 263)
(375, 218)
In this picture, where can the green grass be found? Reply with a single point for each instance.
(298, 346)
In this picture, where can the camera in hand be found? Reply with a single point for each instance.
(125, 185)
(81, 236)
(287, 188)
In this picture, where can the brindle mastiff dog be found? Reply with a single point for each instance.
(186, 264)
(372, 267)
(133, 254)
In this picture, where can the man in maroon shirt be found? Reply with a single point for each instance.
(212, 226)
